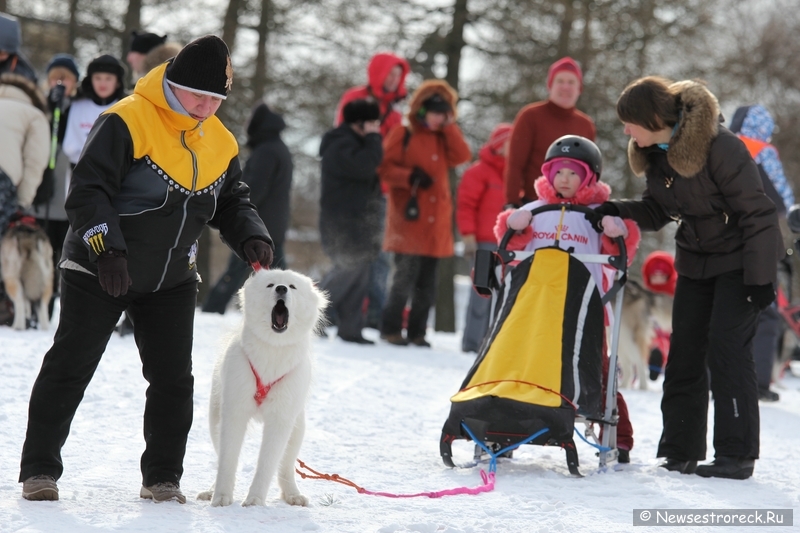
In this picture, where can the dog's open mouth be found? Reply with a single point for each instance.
(280, 317)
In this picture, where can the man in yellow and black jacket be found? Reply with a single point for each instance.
(158, 166)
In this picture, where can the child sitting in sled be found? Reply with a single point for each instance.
(571, 175)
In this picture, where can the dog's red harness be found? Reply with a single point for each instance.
(261, 389)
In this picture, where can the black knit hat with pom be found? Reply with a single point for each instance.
(203, 66)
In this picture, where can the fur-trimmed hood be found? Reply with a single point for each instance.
(697, 127)
(27, 87)
(427, 89)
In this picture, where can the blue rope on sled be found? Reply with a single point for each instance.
(598, 446)
(494, 456)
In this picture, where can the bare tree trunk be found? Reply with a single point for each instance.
(72, 31)
(586, 53)
(445, 292)
(259, 82)
(648, 12)
(133, 21)
(454, 42)
(230, 25)
(566, 28)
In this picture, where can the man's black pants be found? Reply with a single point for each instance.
(414, 278)
(348, 285)
(163, 330)
(713, 326)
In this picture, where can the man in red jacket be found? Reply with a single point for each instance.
(539, 124)
(386, 84)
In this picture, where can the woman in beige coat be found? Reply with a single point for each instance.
(24, 136)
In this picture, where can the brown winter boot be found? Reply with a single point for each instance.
(395, 338)
(163, 492)
(419, 341)
(40, 488)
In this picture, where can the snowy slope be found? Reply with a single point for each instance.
(374, 417)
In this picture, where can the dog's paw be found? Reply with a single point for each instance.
(295, 499)
(205, 495)
(251, 501)
(221, 500)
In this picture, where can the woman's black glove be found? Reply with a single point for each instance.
(112, 271)
(760, 296)
(258, 251)
(420, 178)
(596, 218)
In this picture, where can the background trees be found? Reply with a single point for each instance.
(300, 55)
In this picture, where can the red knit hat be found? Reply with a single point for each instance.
(660, 263)
(564, 64)
(499, 136)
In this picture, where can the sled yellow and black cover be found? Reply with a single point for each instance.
(541, 361)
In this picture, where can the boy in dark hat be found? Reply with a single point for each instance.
(141, 44)
(350, 220)
(157, 168)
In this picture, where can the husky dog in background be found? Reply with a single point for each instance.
(641, 311)
(26, 263)
(264, 374)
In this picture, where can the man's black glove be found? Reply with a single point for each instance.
(112, 271)
(258, 251)
(596, 218)
(760, 295)
(420, 178)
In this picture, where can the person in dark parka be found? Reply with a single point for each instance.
(157, 168)
(268, 172)
(728, 242)
(350, 219)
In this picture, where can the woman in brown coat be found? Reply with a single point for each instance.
(419, 214)
(701, 175)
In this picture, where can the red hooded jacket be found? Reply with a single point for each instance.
(481, 196)
(379, 67)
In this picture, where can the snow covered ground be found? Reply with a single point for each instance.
(375, 417)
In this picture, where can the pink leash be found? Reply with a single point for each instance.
(488, 485)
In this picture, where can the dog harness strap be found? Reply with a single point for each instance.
(262, 390)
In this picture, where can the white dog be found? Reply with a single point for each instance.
(265, 374)
(26, 262)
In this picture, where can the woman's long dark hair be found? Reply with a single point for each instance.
(649, 103)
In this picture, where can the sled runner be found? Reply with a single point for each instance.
(539, 368)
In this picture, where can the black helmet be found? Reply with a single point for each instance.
(576, 147)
